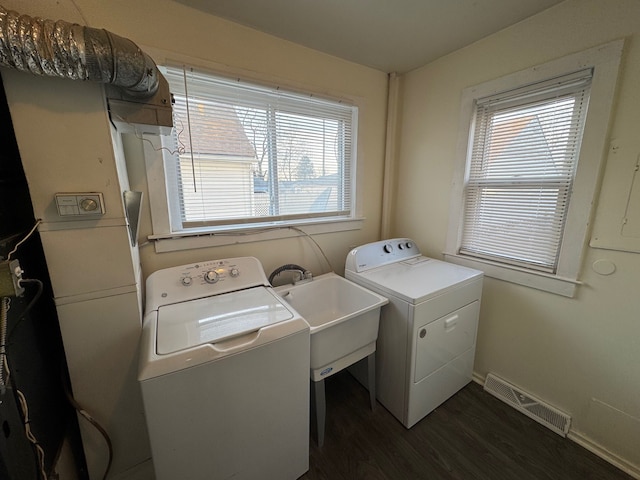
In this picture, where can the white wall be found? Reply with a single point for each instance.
(580, 354)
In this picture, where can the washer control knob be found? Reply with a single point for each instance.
(409, 245)
(211, 276)
(401, 246)
(388, 248)
(186, 281)
(234, 272)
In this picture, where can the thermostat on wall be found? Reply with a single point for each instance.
(80, 204)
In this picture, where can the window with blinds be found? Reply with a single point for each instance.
(243, 154)
(522, 162)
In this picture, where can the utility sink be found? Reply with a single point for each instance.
(343, 317)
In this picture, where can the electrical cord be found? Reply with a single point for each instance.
(24, 406)
(38, 222)
(181, 148)
(74, 403)
(30, 436)
(23, 401)
(316, 244)
(269, 229)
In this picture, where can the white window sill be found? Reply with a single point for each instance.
(538, 280)
(216, 238)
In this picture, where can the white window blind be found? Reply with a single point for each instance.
(522, 162)
(248, 154)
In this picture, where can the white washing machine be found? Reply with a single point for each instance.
(224, 373)
(427, 335)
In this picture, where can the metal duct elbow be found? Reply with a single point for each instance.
(62, 49)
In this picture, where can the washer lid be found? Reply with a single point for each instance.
(217, 318)
(417, 279)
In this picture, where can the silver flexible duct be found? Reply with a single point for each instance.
(62, 49)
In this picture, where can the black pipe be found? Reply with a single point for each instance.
(284, 268)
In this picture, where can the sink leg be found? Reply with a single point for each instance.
(320, 410)
(371, 373)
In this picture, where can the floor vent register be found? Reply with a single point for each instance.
(534, 408)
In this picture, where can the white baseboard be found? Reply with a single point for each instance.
(479, 379)
(588, 444)
(603, 453)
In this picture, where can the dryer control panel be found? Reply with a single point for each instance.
(380, 253)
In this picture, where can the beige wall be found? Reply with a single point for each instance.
(65, 141)
(582, 354)
(579, 354)
(213, 43)
(220, 45)
(227, 47)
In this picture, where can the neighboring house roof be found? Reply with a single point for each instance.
(520, 135)
(215, 130)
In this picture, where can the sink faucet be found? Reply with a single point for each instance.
(302, 276)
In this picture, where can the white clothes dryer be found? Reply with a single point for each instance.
(224, 373)
(427, 335)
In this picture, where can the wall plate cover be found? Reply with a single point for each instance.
(88, 204)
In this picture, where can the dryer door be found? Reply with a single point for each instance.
(444, 339)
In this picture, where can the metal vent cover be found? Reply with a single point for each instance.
(531, 406)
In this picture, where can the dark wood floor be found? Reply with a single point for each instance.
(473, 436)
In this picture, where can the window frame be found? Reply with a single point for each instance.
(605, 61)
(513, 157)
(169, 238)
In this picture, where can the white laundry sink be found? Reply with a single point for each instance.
(343, 317)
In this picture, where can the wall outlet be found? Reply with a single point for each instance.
(16, 276)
